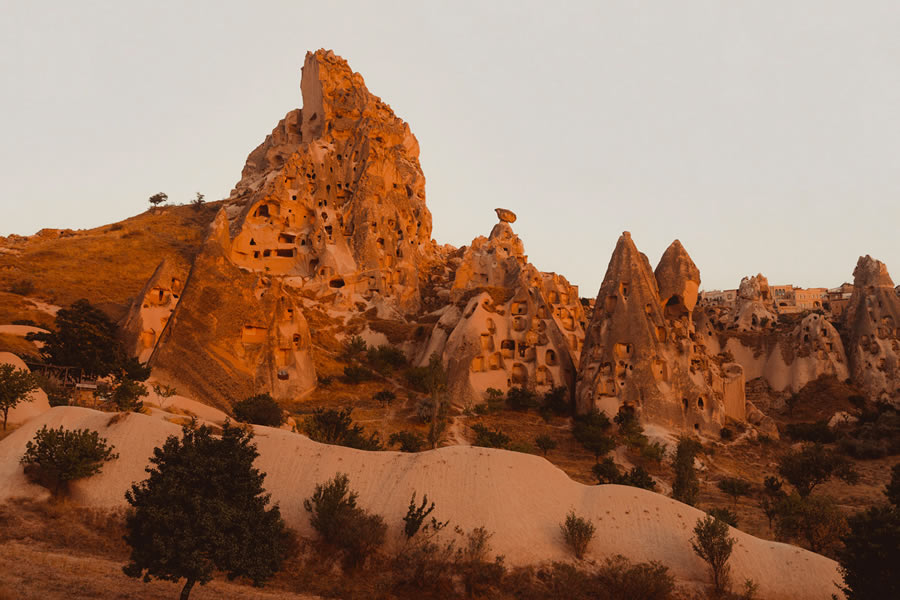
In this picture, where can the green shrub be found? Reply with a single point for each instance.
(545, 443)
(331, 426)
(521, 398)
(813, 465)
(409, 441)
(811, 432)
(815, 521)
(57, 392)
(686, 487)
(341, 523)
(354, 349)
(495, 399)
(22, 287)
(489, 438)
(734, 487)
(385, 359)
(724, 514)
(385, 397)
(712, 543)
(556, 401)
(56, 457)
(260, 409)
(577, 533)
(355, 374)
(15, 385)
(590, 431)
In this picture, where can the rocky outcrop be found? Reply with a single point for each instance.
(642, 352)
(753, 310)
(150, 310)
(330, 208)
(334, 199)
(236, 333)
(872, 323)
(509, 324)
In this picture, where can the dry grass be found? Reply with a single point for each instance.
(60, 550)
(17, 345)
(123, 256)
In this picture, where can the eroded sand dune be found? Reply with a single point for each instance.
(521, 498)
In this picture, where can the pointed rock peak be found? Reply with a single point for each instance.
(678, 279)
(871, 273)
(628, 270)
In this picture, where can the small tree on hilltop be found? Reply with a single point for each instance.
(203, 509)
(686, 487)
(157, 199)
(712, 543)
(197, 202)
(15, 385)
(813, 465)
(260, 409)
(56, 457)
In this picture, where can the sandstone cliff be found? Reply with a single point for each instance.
(330, 208)
(642, 351)
(509, 324)
(872, 322)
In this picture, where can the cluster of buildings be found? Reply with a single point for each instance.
(787, 299)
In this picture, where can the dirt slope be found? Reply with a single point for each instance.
(521, 498)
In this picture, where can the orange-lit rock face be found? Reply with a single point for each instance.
(330, 206)
(872, 321)
(519, 327)
(151, 309)
(642, 352)
(334, 199)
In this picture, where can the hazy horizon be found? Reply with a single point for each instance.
(765, 137)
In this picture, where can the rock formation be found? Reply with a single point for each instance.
(330, 207)
(334, 199)
(642, 352)
(509, 324)
(151, 309)
(754, 309)
(872, 323)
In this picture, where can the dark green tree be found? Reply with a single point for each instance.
(409, 441)
(124, 393)
(813, 465)
(871, 552)
(331, 426)
(712, 543)
(56, 457)
(590, 431)
(545, 442)
(86, 338)
(734, 487)
(15, 385)
(489, 438)
(157, 199)
(686, 487)
(260, 409)
(203, 509)
(341, 523)
(385, 397)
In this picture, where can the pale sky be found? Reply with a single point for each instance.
(764, 135)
